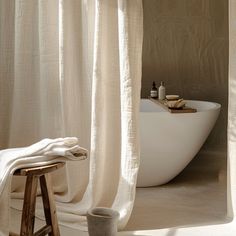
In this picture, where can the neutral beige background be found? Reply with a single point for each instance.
(186, 46)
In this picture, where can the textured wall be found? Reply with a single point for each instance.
(186, 46)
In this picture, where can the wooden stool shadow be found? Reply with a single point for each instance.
(33, 174)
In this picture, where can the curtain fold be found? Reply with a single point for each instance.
(130, 71)
(73, 68)
(231, 161)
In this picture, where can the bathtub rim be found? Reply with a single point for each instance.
(217, 106)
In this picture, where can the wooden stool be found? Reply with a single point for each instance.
(33, 174)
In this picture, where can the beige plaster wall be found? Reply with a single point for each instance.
(186, 46)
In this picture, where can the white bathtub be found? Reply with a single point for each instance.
(170, 141)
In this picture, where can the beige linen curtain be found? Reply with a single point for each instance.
(231, 170)
(73, 68)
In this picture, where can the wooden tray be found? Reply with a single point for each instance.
(172, 110)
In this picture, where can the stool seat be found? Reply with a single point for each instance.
(39, 170)
(33, 174)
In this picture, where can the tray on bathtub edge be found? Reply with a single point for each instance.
(174, 110)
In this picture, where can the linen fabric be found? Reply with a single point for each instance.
(44, 152)
(73, 68)
(231, 161)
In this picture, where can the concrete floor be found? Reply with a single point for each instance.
(196, 197)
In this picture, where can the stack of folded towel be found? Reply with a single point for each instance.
(44, 152)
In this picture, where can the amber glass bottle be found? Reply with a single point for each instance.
(153, 92)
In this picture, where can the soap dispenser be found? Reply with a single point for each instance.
(162, 91)
(153, 92)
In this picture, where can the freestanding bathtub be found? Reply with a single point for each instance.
(170, 141)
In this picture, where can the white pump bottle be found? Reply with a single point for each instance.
(162, 91)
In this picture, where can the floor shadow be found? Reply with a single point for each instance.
(195, 197)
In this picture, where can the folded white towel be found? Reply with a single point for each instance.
(44, 152)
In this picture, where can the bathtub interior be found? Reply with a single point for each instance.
(147, 105)
(202, 105)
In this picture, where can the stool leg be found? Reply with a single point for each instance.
(28, 213)
(49, 205)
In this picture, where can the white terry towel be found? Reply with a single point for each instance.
(44, 152)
